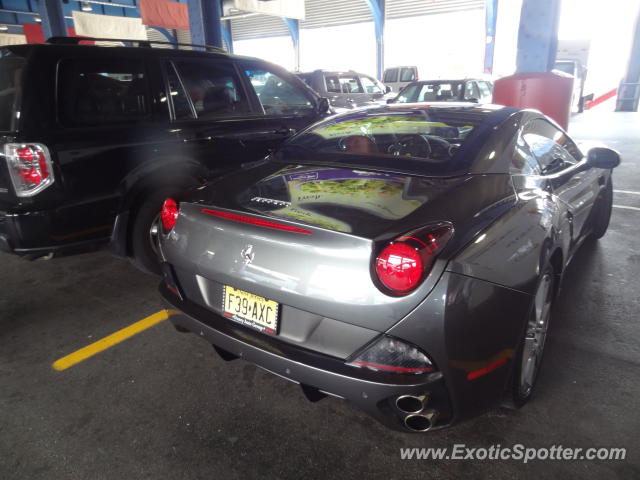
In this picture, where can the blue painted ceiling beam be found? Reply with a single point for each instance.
(538, 35)
(53, 22)
(377, 8)
(204, 22)
(491, 18)
(293, 24)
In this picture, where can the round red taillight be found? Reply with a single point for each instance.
(169, 214)
(399, 267)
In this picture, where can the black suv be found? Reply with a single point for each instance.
(95, 137)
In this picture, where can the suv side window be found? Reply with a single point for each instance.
(183, 109)
(350, 84)
(471, 91)
(390, 75)
(484, 89)
(277, 95)
(369, 85)
(552, 147)
(213, 88)
(102, 91)
(332, 84)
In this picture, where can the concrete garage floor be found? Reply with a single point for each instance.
(163, 405)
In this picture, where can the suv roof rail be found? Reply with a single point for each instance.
(134, 42)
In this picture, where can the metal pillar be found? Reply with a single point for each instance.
(491, 18)
(294, 29)
(377, 8)
(538, 35)
(204, 22)
(227, 34)
(629, 91)
(53, 24)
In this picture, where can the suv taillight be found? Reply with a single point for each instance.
(403, 264)
(30, 167)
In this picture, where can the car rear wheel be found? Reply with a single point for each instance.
(602, 213)
(529, 354)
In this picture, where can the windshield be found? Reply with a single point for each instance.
(11, 68)
(421, 139)
(432, 92)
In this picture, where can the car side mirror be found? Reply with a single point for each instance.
(390, 100)
(387, 89)
(473, 100)
(323, 106)
(603, 157)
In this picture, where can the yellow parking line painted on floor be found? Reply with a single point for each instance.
(111, 340)
(626, 208)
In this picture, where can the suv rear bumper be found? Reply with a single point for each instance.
(30, 233)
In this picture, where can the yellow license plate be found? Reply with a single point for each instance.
(250, 310)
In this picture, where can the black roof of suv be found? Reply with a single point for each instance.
(94, 137)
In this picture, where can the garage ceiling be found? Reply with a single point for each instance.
(329, 13)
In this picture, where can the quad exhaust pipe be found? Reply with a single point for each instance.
(418, 417)
(421, 422)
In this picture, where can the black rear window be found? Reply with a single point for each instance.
(102, 91)
(419, 140)
(11, 67)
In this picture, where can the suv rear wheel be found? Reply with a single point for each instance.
(145, 231)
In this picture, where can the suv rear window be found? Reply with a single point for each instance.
(407, 75)
(105, 91)
(11, 68)
(390, 75)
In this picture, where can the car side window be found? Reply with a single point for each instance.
(523, 162)
(390, 75)
(369, 85)
(552, 147)
(350, 84)
(213, 88)
(102, 91)
(277, 95)
(471, 91)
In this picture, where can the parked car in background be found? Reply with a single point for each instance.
(345, 90)
(403, 257)
(467, 90)
(397, 78)
(94, 138)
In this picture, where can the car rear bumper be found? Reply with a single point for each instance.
(373, 392)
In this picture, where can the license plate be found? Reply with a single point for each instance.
(251, 310)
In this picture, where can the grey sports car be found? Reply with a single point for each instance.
(404, 258)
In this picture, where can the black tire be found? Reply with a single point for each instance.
(521, 385)
(602, 212)
(143, 253)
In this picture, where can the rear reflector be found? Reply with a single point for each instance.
(234, 217)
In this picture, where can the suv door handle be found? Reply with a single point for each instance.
(284, 131)
(198, 138)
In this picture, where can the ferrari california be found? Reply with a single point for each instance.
(404, 258)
